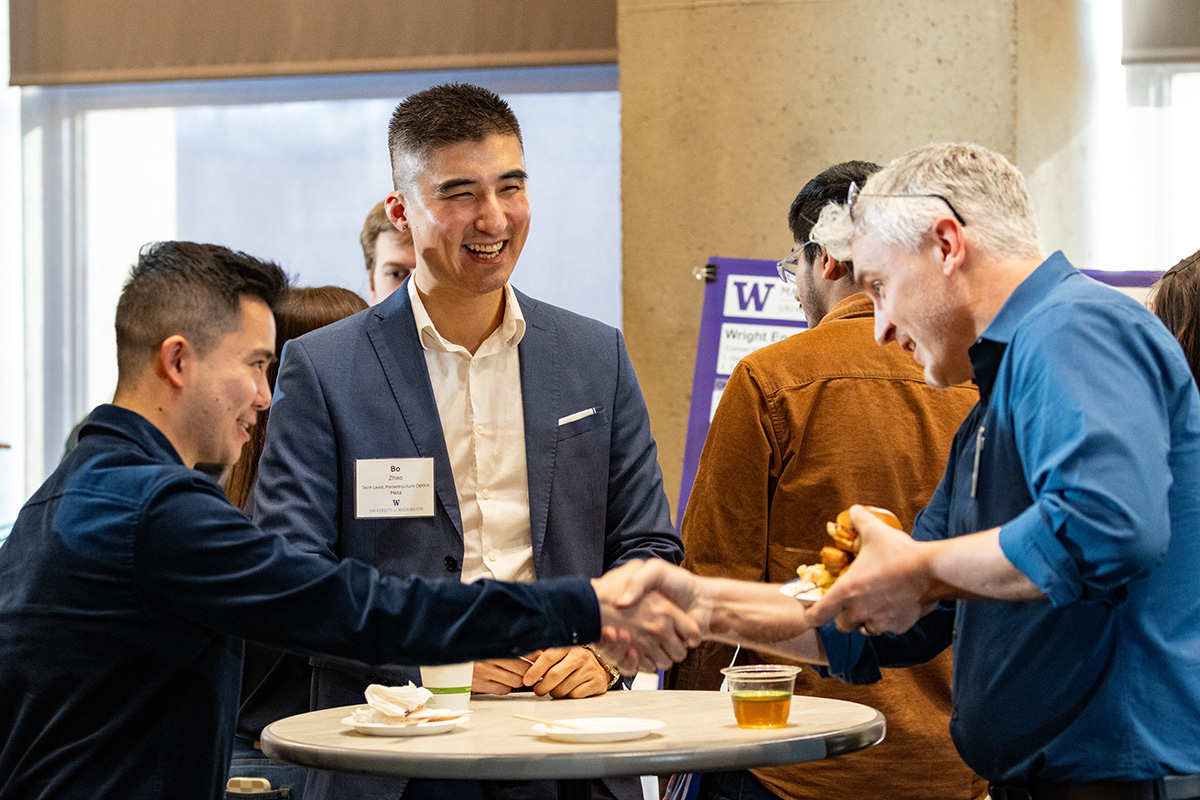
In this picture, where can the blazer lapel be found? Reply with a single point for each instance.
(393, 334)
(540, 396)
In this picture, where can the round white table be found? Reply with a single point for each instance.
(700, 735)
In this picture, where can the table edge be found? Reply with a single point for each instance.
(573, 764)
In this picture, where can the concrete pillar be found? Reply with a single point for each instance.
(729, 106)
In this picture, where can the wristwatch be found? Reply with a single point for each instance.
(614, 674)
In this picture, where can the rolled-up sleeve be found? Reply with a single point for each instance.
(1091, 442)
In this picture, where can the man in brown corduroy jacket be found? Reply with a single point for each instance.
(805, 428)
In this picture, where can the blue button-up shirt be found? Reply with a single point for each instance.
(1085, 451)
(123, 586)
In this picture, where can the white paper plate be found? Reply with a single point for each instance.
(600, 729)
(803, 591)
(418, 729)
(440, 712)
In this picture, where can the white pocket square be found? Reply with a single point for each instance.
(587, 412)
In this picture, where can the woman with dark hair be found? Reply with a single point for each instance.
(271, 679)
(1175, 298)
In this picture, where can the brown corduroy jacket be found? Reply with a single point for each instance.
(805, 428)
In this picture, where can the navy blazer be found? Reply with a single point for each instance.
(359, 389)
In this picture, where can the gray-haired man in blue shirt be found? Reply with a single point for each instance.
(1060, 553)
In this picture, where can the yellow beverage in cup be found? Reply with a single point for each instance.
(757, 708)
(762, 694)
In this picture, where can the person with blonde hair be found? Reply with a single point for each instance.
(388, 251)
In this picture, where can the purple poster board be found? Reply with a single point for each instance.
(745, 307)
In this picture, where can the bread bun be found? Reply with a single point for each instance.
(846, 537)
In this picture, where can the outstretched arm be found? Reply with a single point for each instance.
(736, 612)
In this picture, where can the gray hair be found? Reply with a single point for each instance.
(898, 203)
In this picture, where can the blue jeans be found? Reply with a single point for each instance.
(740, 785)
(250, 763)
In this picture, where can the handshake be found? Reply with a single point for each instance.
(652, 612)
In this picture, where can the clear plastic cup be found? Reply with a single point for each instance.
(762, 694)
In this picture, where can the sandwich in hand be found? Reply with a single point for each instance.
(836, 559)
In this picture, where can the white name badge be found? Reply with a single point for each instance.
(393, 487)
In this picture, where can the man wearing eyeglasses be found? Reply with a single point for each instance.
(1065, 528)
(805, 428)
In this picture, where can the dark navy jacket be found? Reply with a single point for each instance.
(127, 585)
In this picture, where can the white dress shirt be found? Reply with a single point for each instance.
(479, 403)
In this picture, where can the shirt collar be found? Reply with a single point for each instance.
(120, 421)
(856, 305)
(989, 348)
(1028, 294)
(509, 334)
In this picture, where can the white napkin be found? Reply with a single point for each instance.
(390, 705)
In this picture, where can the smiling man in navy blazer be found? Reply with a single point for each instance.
(461, 427)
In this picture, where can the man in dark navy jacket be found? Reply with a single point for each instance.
(128, 580)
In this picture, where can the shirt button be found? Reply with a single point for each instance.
(492, 555)
(479, 429)
(485, 494)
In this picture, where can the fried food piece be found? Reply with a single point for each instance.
(836, 559)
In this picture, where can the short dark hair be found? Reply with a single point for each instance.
(189, 289)
(1175, 298)
(446, 114)
(831, 186)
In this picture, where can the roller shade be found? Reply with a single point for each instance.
(1160, 31)
(57, 42)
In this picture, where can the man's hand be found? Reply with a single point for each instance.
(646, 631)
(566, 672)
(499, 675)
(895, 581)
(887, 587)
